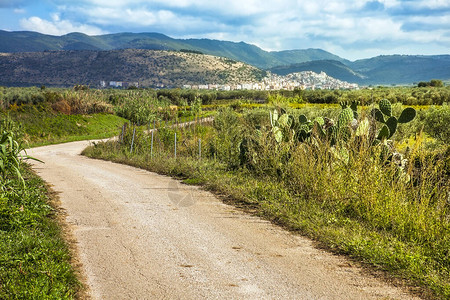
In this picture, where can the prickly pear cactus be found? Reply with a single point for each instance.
(332, 134)
(318, 129)
(345, 117)
(319, 120)
(407, 115)
(385, 107)
(278, 134)
(273, 117)
(285, 121)
(378, 115)
(354, 105)
(384, 133)
(391, 123)
(302, 119)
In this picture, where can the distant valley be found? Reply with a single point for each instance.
(83, 58)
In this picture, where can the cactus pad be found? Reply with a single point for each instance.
(408, 114)
(278, 133)
(345, 117)
(319, 120)
(318, 129)
(273, 117)
(384, 133)
(392, 123)
(284, 121)
(378, 115)
(385, 107)
(354, 105)
(302, 119)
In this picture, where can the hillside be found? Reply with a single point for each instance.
(401, 69)
(27, 41)
(148, 67)
(331, 67)
(385, 70)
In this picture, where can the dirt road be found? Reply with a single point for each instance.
(144, 236)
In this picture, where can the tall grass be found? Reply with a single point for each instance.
(348, 196)
(34, 259)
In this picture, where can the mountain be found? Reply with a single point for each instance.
(402, 69)
(148, 67)
(333, 68)
(383, 70)
(26, 41)
(386, 70)
(301, 56)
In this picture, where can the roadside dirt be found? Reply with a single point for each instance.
(141, 235)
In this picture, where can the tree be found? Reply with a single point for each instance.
(436, 83)
(433, 83)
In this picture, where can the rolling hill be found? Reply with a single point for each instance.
(402, 69)
(148, 67)
(333, 68)
(383, 70)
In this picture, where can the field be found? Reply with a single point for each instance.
(368, 179)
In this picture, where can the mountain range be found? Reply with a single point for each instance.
(390, 69)
(149, 68)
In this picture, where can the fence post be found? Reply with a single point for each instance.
(151, 146)
(132, 140)
(199, 148)
(124, 128)
(175, 146)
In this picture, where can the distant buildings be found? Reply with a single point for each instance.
(303, 80)
(118, 84)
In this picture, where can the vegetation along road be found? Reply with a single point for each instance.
(145, 236)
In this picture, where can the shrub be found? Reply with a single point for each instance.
(437, 123)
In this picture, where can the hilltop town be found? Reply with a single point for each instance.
(304, 80)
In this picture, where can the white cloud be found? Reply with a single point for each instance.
(275, 25)
(56, 26)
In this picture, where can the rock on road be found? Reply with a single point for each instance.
(140, 235)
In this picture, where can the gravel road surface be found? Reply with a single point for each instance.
(140, 235)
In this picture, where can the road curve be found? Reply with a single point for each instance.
(145, 236)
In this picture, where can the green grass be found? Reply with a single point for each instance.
(382, 249)
(355, 208)
(42, 127)
(34, 259)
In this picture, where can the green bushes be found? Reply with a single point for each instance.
(139, 111)
(437, 123)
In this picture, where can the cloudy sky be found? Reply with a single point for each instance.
(352, 29)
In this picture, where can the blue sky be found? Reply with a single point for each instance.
(352, 29)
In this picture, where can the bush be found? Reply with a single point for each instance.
(437, 123)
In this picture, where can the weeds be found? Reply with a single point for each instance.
(34, 260)
(358, 203)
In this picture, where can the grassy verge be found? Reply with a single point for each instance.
(43, 127)
(34, 259)
(335, 225)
